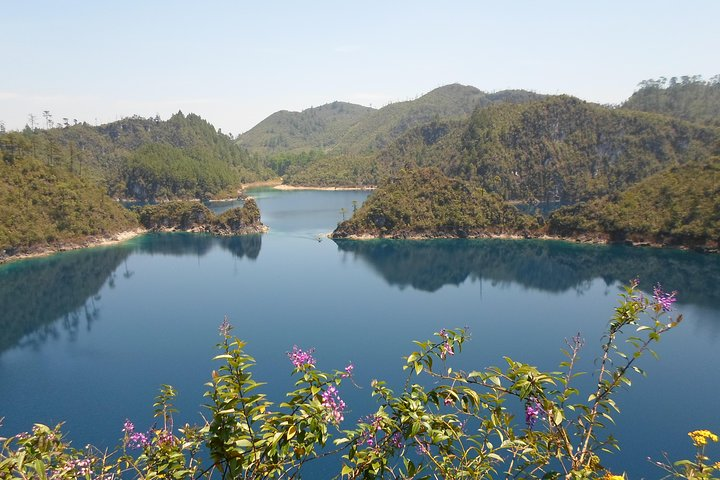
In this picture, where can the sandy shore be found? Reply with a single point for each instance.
(94, 241)
(264, 183)
(300, 187)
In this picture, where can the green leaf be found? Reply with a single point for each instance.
(243, 443)
(418, 368)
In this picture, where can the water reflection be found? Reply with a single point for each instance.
(179, 244)
(42, 298)
(34, 293)
(544, 265)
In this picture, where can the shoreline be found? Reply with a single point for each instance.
(586, 240)
(90, 242)
(282, 186)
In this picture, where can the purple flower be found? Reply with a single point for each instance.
(348, 370)
(396, 440)
(225, 327)
(128, 427)
(664, 299)
(300, 358)
(165, 437)
(446, 349)
(333, 403)
(81, 466)
(138, 440)
(533, 409)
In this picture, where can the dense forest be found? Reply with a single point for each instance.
(520, 145)
(688, 98)
(42, 205)
(677, 206)
(336, 144)
(143, 158)
(645, 171)
(425, 203)
(56, 182)
(557, 149)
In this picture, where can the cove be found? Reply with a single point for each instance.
(87, 337)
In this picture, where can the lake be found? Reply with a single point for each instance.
(87, 337)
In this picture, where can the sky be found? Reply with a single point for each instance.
(236, 62)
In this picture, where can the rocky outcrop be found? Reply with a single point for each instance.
(189, 216)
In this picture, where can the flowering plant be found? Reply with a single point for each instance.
(459, 425)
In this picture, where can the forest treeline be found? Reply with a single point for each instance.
(642, 171)
(145, 159)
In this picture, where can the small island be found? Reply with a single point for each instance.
(678, 207)
(424, 203)
(190, 216)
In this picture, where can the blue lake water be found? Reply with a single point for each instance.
(87, 337)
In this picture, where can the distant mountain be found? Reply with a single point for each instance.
(375, 131)
(347, 129)
(317, 128)
(556, 149)
(688, 98)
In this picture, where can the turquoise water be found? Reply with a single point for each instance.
(88, 337)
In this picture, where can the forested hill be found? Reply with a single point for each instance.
(346, 129)
(678, 206)
(316, 128)
(383, 126)
(425, 203)
(688, 98)
(556, 149)
(144, 158)
(49, 206)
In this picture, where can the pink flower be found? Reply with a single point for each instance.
(300, 358)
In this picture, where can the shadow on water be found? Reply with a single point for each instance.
(35, 293)
(181, 244)
(44, 297)
(551, 266)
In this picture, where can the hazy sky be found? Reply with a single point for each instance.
(236, 62)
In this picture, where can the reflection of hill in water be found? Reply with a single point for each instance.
(199, 244)
(35, 293)
(544, 265)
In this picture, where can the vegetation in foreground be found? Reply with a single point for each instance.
(425, 203)
(510, 422)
